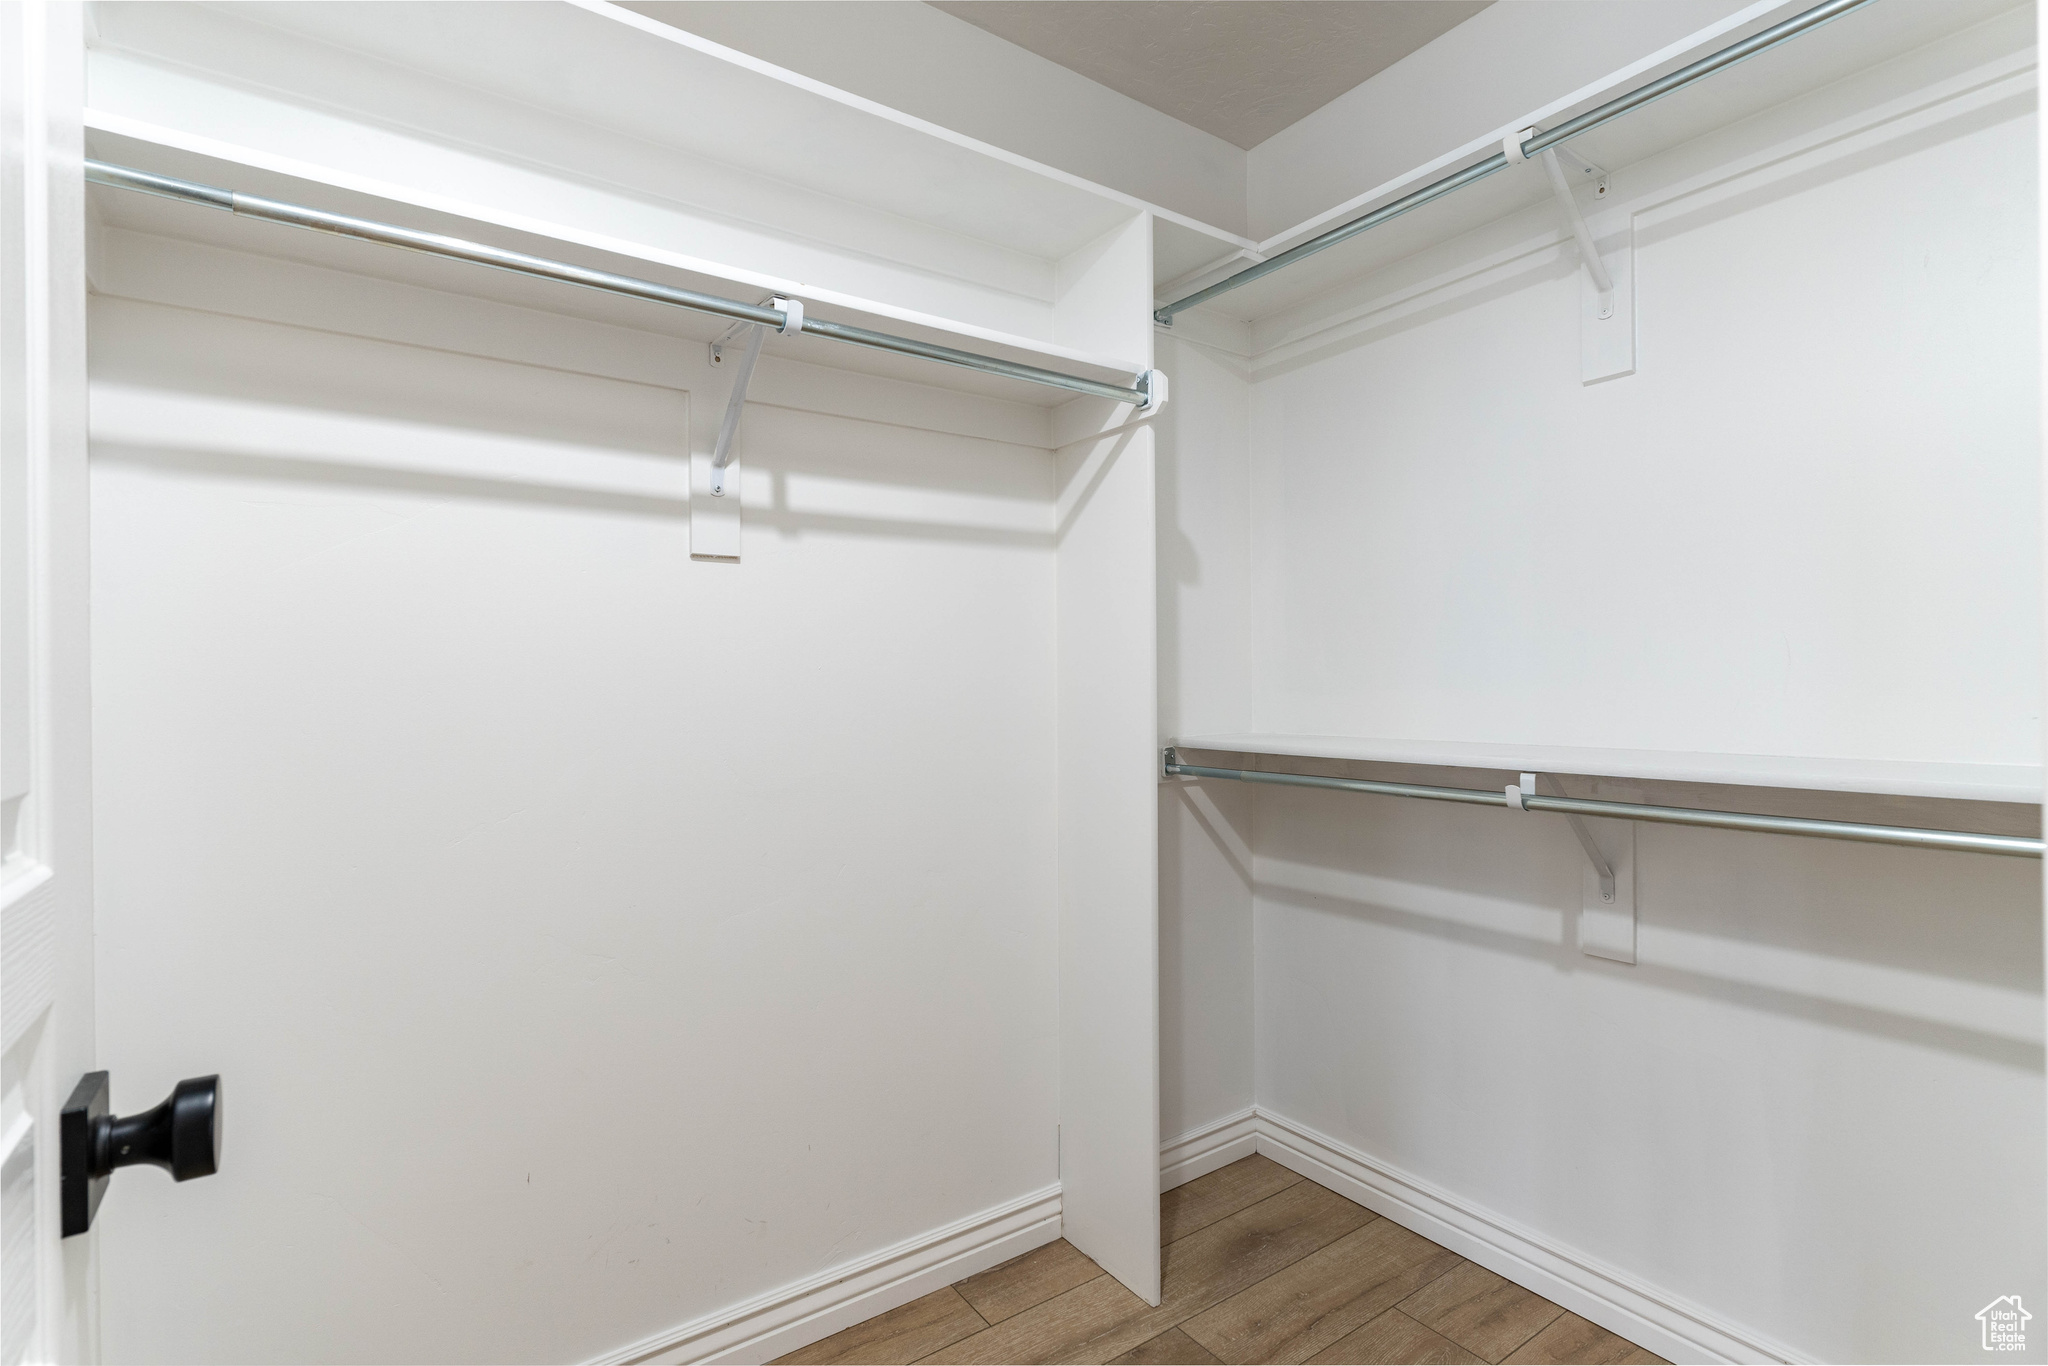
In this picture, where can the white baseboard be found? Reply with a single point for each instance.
(1645, 1315)
(1201, 1151)
(797, 1315)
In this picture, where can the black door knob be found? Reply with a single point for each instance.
(182, 1136)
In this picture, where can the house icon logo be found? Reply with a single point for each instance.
(2005, 1324)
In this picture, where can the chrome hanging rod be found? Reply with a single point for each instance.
(1706, 66)
(2018, 846)
(540, 268)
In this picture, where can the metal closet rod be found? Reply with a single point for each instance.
(540, 268)
(2018, 846)
(1635, 99)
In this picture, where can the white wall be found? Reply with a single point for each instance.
(1806, 525)
(1813, 1114)
(591, 938)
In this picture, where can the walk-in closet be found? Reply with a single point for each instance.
(1021, 681)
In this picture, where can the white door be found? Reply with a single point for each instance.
(47, 1302)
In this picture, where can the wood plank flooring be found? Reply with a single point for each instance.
(1258, 1265)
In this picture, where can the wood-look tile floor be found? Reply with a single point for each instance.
(1258, 1265)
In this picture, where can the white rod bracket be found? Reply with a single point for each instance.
(1595, 857)
(1588, 253)
(725, 339)
(792, 311)
(1587, 172)
(1526, 788)
(1153, 382)
(721, 455)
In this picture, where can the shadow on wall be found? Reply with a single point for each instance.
(1940, 950)
(881, 484)
(432, 424)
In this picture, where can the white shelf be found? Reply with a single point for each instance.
(1969, 782)
(170, 152)
(632, 104)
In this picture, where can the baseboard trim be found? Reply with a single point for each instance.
(1645, 1315)
(1201, 1151)
(800, 1314)
(797, 1315)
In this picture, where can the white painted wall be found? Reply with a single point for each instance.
(909, 56)
(1806, 525)
(591, 938)
(1813, 1113)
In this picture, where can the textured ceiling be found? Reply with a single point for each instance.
(1241, 69)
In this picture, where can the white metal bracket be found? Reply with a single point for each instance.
(1589, 255)
(1517, 792)
(1607, 332)
(1607, 923)
(1607, 913)
(1583, 172)
(1153, 382)
(743, 374)
(792, 311)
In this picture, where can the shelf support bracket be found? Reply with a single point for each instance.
(1601, 866)
(1153, 384)
(792, 322)
(1607, 910)
(1511, 146)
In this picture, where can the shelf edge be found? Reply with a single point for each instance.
(2021, 783)
(120, 125)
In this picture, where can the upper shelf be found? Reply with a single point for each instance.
(1837, 51)
(595, 97)
(1969, 782)
(208, 161)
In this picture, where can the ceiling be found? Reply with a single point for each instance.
(1240, 69)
